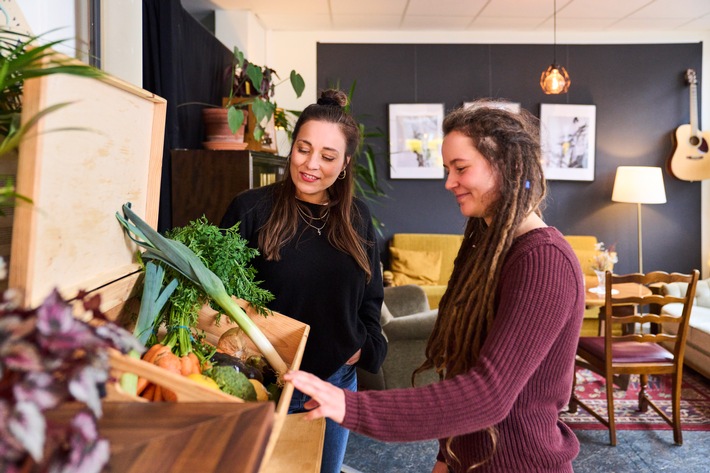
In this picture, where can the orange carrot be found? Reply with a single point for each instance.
(185, 365)
(168, 395)
(158, 395)
(149, 392)
(169, 361)
(142, 385)
(153, 351)
(195, 361)
(189, 364)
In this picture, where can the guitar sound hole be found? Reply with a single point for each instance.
(694, 140)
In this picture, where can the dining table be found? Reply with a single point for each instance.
(594, 295)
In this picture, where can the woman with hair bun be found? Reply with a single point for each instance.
(319, 256)
(505, 339)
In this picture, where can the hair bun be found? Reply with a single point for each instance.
(333, 98)
(329, 101)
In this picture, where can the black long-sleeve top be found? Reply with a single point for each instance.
(319, 285)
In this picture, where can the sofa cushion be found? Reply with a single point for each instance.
(415, 267)
(447, 244)
(699, 331)
(702, 291)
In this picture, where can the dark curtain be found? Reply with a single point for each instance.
(182, 62)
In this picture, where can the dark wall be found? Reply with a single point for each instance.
(640, 97)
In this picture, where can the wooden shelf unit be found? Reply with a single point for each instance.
(205, 181)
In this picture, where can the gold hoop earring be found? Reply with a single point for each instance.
(342, 175)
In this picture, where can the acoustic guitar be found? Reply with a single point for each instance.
(690, 160)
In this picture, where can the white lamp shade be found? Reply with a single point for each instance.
(639, 185)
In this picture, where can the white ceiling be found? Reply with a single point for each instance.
(469, 15)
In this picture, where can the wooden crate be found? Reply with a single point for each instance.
(69, 238)
(286, 334)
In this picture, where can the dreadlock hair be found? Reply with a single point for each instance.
(282, 224)
(510, 143)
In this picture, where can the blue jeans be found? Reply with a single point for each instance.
(336, 437)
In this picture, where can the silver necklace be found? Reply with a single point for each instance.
(305, 218)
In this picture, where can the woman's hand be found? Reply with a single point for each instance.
(440, 467)
(326, 399)
(355, 358)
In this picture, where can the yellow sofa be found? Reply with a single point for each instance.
(424, 259)
(585, 247)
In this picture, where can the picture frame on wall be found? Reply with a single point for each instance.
(415, 140)
(510, 106)
(567, 137)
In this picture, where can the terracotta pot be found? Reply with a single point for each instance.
(217, 132)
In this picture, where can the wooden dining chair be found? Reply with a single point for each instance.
(634, 350)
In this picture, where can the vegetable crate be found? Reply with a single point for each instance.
(286, 334)
(106, 149)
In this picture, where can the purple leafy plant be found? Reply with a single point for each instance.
(47, 357)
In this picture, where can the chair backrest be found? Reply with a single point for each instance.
(636, 307)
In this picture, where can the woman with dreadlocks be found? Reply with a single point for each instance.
(505, 339)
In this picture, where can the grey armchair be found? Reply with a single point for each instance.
(407, 323)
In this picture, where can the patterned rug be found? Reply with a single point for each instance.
(695, 403)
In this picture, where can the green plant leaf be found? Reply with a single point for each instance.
(235, 118)
(238, 57)
(256, 76)
(298, 83)
(263, 110)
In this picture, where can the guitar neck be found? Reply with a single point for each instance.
(693, 110)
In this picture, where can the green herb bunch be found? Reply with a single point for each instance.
(228, 256)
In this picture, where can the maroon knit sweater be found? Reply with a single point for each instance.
(520, 383)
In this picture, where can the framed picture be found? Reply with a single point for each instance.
(567, 136)
(415, 140)
(510, 106)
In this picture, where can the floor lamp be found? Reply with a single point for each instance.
(639, 185)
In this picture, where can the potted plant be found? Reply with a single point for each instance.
(251, 88)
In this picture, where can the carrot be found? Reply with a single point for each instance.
(169, 361)
(142, 385)
(195, 361)
(189, 364)
(158, 395)
(185, 365)
(149, 392)
(168, 395)
(153, 351)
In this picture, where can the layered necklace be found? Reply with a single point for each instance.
(309, 219)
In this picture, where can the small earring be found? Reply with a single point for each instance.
(342, 175)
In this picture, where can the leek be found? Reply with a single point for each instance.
(152, 302)
(186, 262)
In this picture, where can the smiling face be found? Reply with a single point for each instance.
(317, 158)
(470, 176)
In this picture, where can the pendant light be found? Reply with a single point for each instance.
(554, 79)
